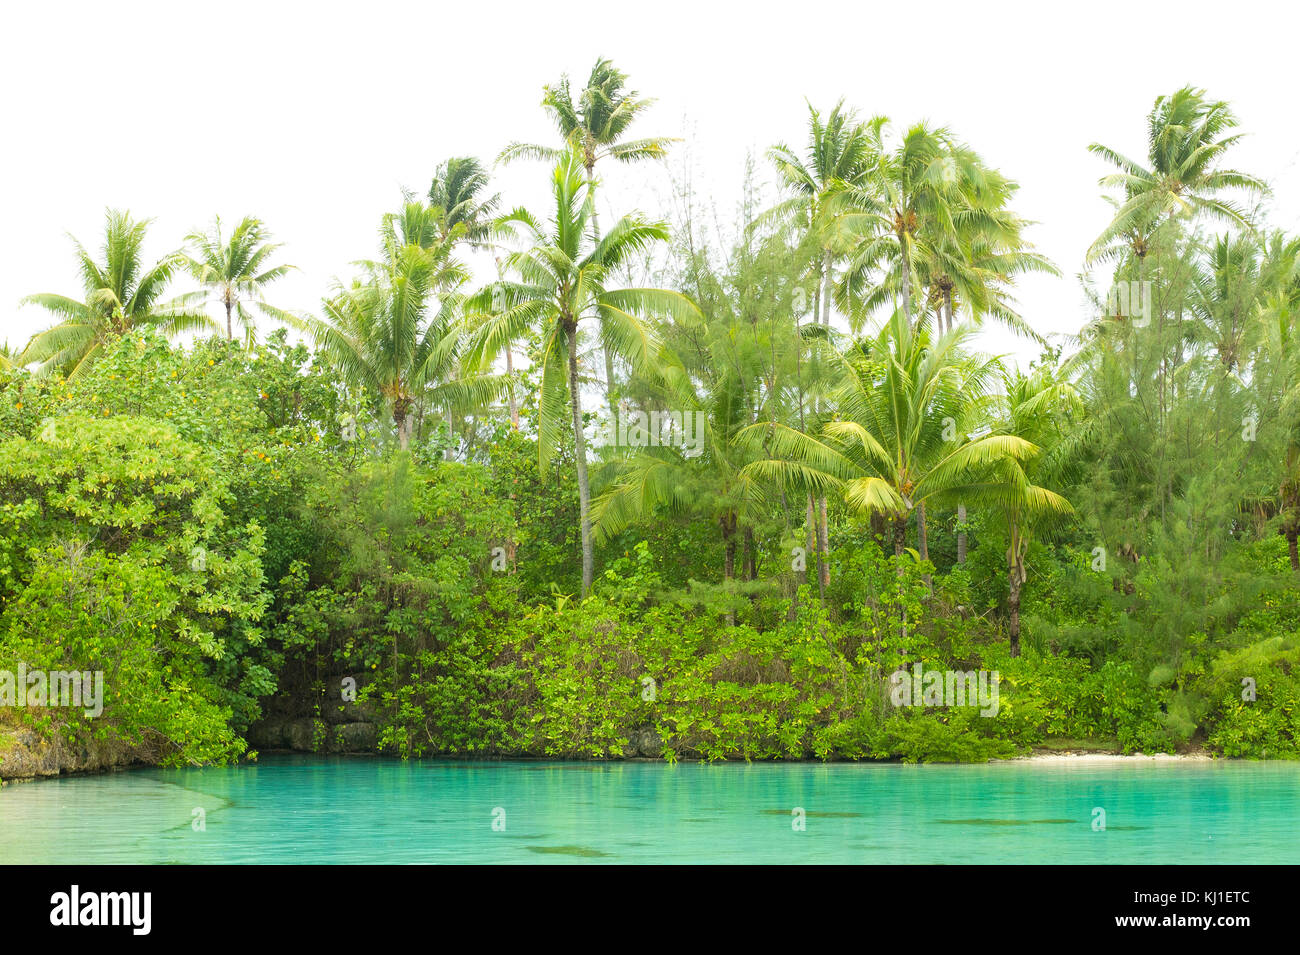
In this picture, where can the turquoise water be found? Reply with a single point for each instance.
(308, 809)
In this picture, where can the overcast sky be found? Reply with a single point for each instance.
(314, 117)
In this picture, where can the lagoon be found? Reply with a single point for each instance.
(306, 809)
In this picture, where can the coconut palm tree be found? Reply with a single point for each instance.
(236, 270)
(673, 478)
(974, 269)
(965, 254)
(120, 295)
(839, 156)
(594, 125)
(394, 330)
(593, 128)
(1035, 408)
(898, 437)
(458, 190)
(563, 285)
(976, 264)
(908, 208)
(1188, 137)
(468, 215)
(933, 215)
(1225, 295)
(721, 375)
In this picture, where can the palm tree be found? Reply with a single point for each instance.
(390, 332)
(563, 285)
(595, 125)
(1036, 407)
(976, 264)
(666, 478)
(121, 295)
(457, 190)
(904, 213)
(1225, 294)
(725, 373)
(934, 215)
(897, 440)
(840, 155)
(466, 214)
(1187, 140)
(236, 270)
(593, 128)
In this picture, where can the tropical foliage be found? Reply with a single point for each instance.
(666, 488)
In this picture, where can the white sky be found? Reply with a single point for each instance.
(314, 117)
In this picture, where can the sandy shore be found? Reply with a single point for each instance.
(1083, 757)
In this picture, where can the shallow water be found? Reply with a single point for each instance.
(301, 809)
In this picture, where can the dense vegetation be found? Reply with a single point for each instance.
(407, 489)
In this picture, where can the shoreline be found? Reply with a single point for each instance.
(1085, 756)
(1043, 757)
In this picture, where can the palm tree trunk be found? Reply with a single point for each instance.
(808, 524)
(1015, 581)
(907, 285)
(961, 508)
(1013, 607)
(1289, 493)
(580, 456)
(823, 545)
(728, 522)
(811, 526)
(514, 405)
(230, 327)
(923, 540)
(729, 546)
(961, 533)
(792, 611)
(825, 303)
(900, 535)
(823, 531)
